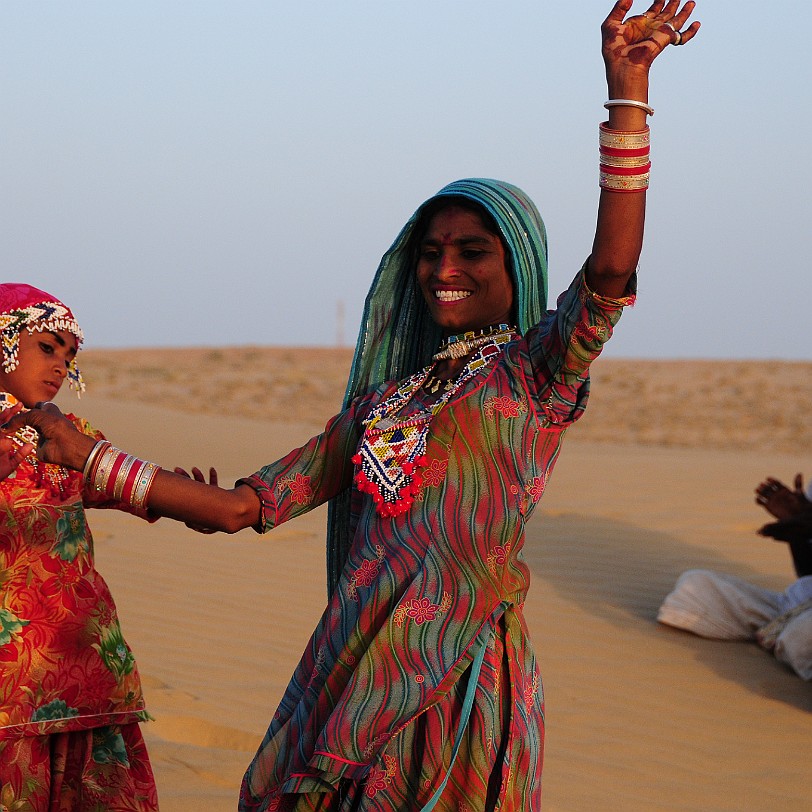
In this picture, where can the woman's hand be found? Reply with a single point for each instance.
(630, 46)
(60, 442)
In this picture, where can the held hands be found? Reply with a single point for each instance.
(60, 442)
(198, 476)
(630, 46)
(11, 455)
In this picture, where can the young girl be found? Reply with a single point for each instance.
(70, 695)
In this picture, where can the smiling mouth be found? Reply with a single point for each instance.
(451, 295)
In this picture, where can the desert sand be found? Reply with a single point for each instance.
(657, 477)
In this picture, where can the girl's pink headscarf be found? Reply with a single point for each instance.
(23, 305)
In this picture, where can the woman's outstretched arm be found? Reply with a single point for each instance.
(629, 48)
(172, 495)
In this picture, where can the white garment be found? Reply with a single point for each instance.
(724, 607)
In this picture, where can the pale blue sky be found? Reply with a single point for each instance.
(187, 173)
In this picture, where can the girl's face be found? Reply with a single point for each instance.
(462, 273)
(42, 367)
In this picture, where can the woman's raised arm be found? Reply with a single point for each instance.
(630, 46)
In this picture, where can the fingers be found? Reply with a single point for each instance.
(680, 17)
(799, 484)
(618, 12)
(11, 455)
(198, 475)
(771, 485)
(48, 406)
(689, 33)
(676, 19)
(7, 414)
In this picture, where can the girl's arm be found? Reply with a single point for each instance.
(629, 49)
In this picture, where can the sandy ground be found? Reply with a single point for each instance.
(658, 477)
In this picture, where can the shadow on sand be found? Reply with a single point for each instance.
(640, 566)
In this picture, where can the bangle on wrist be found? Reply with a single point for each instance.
(119, 475)
(629, 103)
(92, 459)
(625, 163)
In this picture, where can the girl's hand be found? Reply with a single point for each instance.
(11, 454)
(198, 476)
(630, 46)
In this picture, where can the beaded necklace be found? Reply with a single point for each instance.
(393, 451)
(459, 346)
(47, 476)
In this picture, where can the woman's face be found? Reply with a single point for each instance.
(462, 272)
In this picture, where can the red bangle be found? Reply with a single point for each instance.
(621, 152)
(626, 170)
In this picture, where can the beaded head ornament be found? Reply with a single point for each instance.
(398, 336)
(24, 306)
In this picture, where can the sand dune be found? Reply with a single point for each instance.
(658, 477)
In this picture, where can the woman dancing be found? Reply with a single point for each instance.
(419, 688)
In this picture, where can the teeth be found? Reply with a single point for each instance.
(451, 295)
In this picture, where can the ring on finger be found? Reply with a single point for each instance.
(677, 34)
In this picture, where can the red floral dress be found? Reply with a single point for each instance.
(65, 665)
(427, 616)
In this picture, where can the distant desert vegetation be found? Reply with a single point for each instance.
(744, 405)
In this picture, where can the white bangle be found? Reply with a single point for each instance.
(629, 103)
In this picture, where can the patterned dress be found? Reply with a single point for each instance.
(427, 616)
(70, 694)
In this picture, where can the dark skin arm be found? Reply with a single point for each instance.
(794, 513)
(172, 495)
(629, 48)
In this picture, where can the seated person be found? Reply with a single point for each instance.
(724, 607)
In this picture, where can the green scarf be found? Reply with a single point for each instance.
(397, 335)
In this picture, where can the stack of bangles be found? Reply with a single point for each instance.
(625, 159)
(119, 475)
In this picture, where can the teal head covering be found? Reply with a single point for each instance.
(398, 336)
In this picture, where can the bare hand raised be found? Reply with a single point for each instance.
(631, 45)
(778, 500)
